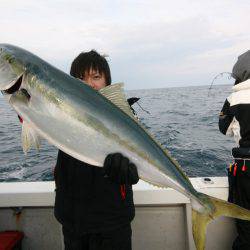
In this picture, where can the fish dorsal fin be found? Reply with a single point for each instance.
(29, 138)
(115, 93)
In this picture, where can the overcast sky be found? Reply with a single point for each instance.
(151, 44)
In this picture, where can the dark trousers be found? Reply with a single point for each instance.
(119, 239)
(239, 193)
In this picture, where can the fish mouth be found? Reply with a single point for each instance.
(12, 68)
(15, 87)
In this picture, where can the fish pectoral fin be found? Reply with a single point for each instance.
(29, 138)
(115, 93)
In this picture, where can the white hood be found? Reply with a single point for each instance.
(242, 86)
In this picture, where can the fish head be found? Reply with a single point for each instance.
(12, 69)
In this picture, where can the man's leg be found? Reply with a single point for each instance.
(72, 241)
(242, 242)
(119, 239)
(242, 198)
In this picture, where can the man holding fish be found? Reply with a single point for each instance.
(95, 205)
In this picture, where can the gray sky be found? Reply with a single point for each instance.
(151, 44)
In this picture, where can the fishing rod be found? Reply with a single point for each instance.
(229, 74)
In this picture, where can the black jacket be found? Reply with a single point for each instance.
(234, 119)
(86, 201)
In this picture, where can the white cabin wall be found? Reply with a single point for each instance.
(39, 225)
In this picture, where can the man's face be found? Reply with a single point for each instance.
(94, 79)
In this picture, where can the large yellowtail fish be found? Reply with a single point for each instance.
(89, 125)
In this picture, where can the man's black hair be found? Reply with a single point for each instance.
(90, 60)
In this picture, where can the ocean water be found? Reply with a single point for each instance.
(184, 120)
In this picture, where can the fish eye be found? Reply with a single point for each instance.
(11, 60)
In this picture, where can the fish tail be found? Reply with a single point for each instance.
(213, 208)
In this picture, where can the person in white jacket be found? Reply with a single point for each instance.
(234, 120)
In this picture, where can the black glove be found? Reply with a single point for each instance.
(118, 168)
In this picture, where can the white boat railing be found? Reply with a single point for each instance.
(163, 216)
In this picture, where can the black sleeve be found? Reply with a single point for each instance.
(58, 164)
(225, 117)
